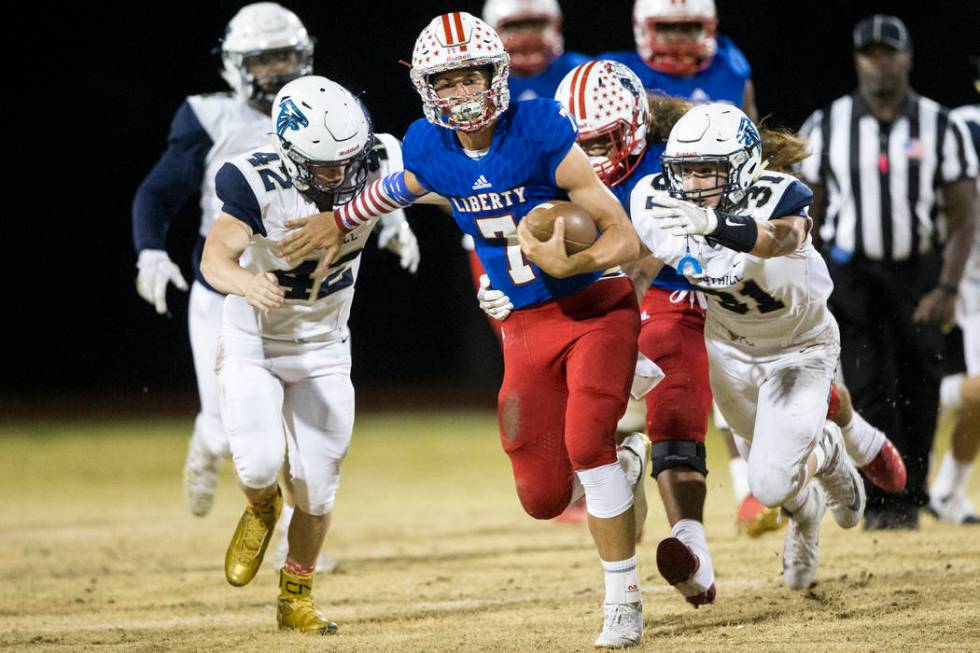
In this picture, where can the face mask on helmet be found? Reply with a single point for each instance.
(265, 73)
(265, 46)
(460, 69)
(324, 137)
(678, 47)
(333, 182)
(713, 155)
(612, 111)
(532, 43)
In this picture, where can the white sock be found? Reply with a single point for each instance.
(691, 533)
(739, 470)
(949, 392)
(862, 440)
(803, 506)
(622, 581)
(952, 477)
(284, 518)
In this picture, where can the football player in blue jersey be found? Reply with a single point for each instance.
(570, 344)
(531, 32)
(679, 53)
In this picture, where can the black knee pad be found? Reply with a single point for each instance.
(677, 453)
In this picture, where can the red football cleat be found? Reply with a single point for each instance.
(574, 514)
(887, 470)
(677, 564)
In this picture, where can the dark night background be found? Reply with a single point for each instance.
(76, 328)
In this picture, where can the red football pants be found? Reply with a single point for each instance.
(568, 366)
(672, 336)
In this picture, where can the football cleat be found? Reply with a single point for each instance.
(678, 565)
(296, 610)
(753, 518)
(634, 456)
(200, 476)
(956, 508)
(840, 479)
(622, 625)
(801, 549)
(251, 538)
(887, 469)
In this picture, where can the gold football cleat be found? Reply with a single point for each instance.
(248, 544)
(296, 610)
(753, 518)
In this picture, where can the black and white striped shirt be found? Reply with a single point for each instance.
(884, 180)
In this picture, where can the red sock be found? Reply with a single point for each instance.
(833, 402)
(297, 569)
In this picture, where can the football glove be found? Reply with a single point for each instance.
(493, 302)
(398, 238)
(682, 218)
(156, 270)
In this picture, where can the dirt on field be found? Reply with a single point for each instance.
(436, 555)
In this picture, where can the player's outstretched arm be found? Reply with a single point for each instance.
(326, 231)
(225, 243)
(617, 242)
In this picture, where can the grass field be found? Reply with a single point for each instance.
(98, 553)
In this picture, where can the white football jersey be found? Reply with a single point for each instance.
(234, 127)
(754, 303)
(314, 309)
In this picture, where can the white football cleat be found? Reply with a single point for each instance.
(840, 479)
(634, 456)
(801, 548)
(622, 625)
(200, 476)
(955, 507)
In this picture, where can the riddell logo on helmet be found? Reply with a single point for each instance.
(350, 149)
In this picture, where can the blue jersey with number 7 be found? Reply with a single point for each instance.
(491, 194)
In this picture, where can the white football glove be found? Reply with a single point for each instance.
(398, 238)
(682, 218)
(493, 302)
(156, 270)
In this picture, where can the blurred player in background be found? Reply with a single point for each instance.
(264, 47)
(284, 353)
(679, 53)
(741, 236)
(570, 344)
(961, 392)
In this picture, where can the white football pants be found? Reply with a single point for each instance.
(204, 324)
(282, 400)
(777, 402)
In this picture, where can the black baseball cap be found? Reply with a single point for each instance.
(889, 30)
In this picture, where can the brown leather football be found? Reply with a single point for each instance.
(580, 228)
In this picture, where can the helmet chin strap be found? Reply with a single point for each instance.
(324, 200)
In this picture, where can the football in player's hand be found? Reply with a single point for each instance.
(580, 227)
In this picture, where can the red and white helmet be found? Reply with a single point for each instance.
(529, 53)
(460, 40)
(669, 55)
(607, 98)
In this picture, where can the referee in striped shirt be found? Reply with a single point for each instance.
(894, 202)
